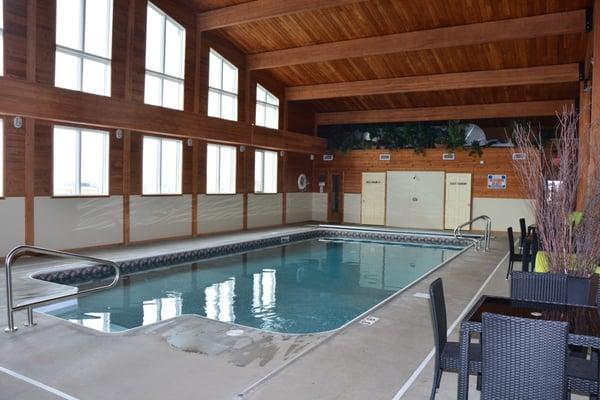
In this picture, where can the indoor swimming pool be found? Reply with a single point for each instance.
(307, 286)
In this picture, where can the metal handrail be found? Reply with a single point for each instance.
(21, 250)
(486, 236)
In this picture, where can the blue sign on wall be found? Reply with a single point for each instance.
(496, 182)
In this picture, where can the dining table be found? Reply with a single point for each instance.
(584, 325)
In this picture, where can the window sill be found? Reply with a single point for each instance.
(95, 196)
(163, 195)
(265, 194)
(220, 194)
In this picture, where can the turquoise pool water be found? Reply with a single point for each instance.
(303, 287)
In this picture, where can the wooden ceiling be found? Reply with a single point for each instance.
(373, 18)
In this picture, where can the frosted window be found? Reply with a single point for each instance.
(267, 108)
(223, 88)
(83, 45)
(80, 162)
(265, 171)
(161, 166)
(220, 169)
(165, 60)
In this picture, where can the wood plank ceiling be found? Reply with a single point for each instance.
(372, 18)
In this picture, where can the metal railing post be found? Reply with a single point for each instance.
(487, 234)
(20, 250)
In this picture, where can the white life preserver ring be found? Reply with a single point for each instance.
(302, 182)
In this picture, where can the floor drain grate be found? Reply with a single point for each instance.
(368, 321)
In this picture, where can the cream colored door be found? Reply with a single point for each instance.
(373, 198)
(458, 200)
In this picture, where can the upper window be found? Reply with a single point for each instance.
(80, 162)
(222, 88)
(165, 60)
(1, 37)
(83, 45)
(265, 171)
(267, 108)
(220, 169)
(162, 166)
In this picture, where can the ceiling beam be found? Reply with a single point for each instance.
(462, 80)
(261, 9)
(32, 100)
(460, 35)
(475, 111)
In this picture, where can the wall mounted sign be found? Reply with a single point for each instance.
(448, 156)
(385, 157)
(519, 156)
(496, 182)
(327, 157)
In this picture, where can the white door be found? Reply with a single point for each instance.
(458, 199)
(373, 198)
(415, 199)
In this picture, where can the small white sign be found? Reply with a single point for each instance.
(448, 157)
(385, 157)
(327, 157)
(368, 321)
(519, 156)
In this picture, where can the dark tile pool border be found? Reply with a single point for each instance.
(85, 274)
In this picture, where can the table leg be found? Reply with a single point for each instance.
(463, 372)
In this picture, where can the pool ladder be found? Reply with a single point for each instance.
(486, 236)
(22, 250)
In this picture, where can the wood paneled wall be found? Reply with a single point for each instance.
(493, 161)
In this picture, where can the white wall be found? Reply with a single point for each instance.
(220, 213)
(503, 212)
(69, 223)
(159, 217)
(352, 204)
(319, 207)
(12, 227)
(298, 207)
(264, 210)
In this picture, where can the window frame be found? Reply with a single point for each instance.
(82, 55)
(266, 105)
(262, 190)
(218, 170)
(159, 175)
(106, 171)
(220, 91)
(162, 75)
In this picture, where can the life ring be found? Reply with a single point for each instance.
(302, 182)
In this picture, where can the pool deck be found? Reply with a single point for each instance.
(191, 357)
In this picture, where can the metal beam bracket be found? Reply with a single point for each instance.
(581, 71)
(589, 19)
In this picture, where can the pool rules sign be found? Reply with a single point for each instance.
(496, 182)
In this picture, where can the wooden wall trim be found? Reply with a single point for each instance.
(126, 185)
(462, 35)
(195, 168)
(60, 105)
(584, 144)
(475, 111)
(462, 80)
(261, 9)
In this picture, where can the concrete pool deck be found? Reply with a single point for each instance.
(191, 357)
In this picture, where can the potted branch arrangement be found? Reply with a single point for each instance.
(550, 177)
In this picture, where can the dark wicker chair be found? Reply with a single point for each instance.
(513, 256)
(534, 286)
(523, 227)
(447, 356)
(535, 246)
(523, 358)
(526, 255)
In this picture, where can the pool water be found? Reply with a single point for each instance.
(302, 287)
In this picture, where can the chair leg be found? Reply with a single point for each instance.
(479, 380)
(436, 383)
(510, 268)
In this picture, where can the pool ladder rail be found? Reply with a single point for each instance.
(458, 234)
(22, 250)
